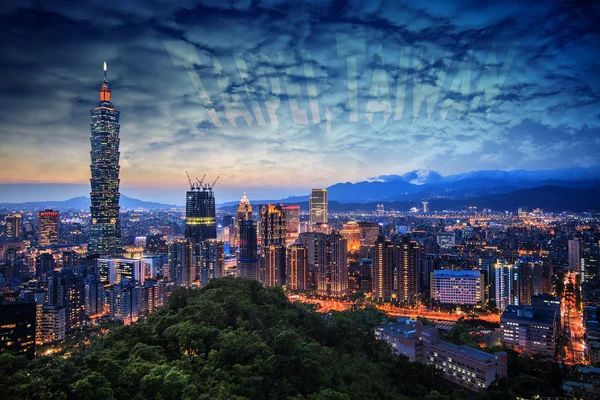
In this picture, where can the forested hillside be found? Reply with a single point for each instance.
(233, 339)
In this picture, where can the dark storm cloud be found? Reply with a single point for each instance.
(449, 86)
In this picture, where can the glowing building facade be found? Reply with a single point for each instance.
(48, 227)
(105, 230)
(318, 206)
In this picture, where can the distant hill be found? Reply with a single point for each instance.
(83, 202)
(549, 198)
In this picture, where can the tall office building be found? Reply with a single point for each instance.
(48, 227)
(333, 266)
(18, 326)
(292, 223)
(13, 226)
(105, 230)
(180, 268)
(211, 260)
(297, 267)
(318, 206)
(272, 224)
(247, 265)
(273, 235)
(575, 255)
(200, 220)
(244, 211)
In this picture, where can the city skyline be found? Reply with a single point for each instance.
(322, 135)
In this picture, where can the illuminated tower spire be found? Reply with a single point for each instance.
(105, 230)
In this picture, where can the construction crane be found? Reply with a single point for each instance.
(190, 180)
(214, 183)
(200, 182)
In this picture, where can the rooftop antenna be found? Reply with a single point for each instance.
(104, 70)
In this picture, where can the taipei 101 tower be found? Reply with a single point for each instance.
(105, 230)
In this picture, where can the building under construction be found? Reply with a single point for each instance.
(200, 221)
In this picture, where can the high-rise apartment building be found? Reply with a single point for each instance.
(318, 207)
(297, 267)
(382, 272)
(105, 229)
(501, 289)
(44, 263)
(406, 257)
(123, 302)
(333, 266)
(211, 260)
(575, 255)
(13, 226)
(94, 297)
(273, 265)
(48, 227)
(180, 268)
(52, 324)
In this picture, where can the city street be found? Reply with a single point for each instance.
(572, 323)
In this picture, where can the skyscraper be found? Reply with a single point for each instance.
(318, 206)
(105, 231)
(247, 266)
(244, 213)
(200, 220)
(13, 226)
(48, 227)
(273, 234)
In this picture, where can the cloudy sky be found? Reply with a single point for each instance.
(276, 97)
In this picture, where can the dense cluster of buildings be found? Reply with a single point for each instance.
(62, 271)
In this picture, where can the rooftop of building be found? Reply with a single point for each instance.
(402, 327)
(589, 370)
(529, 314)
(445, 273)
(478, 354)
